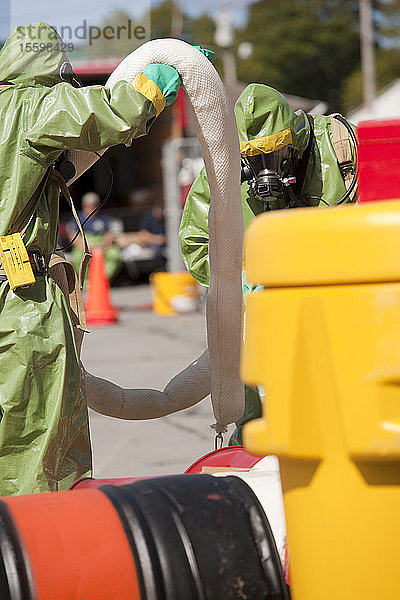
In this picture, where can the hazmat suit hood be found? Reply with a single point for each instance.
(266, 122)
(19, 65)
(44, 429)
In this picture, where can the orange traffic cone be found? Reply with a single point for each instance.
(98, 308)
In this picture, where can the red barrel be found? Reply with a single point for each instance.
(379, 160)
(89, 482)
(231, 457)
(67, 546)
(176, 537)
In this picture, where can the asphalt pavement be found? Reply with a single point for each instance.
(144, 349)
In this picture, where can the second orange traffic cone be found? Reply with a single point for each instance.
(98, 308)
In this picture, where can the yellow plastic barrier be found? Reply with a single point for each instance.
(173, 293)
(323, 339)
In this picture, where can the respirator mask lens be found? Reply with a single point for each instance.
(273, 161)
(264, 173)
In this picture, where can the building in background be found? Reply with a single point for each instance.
(135, 168)
(385, 105)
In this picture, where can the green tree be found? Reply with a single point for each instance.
(161, 20)
(121, 39)
(198, 31)
(387, 69)
(305, 47)
(386, 15)
(387, 22)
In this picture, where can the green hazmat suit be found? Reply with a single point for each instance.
(44, 434)
(266, 123)
(112, 256)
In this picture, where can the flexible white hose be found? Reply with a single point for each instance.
(111, 400)
(187, 388)
(220, 145)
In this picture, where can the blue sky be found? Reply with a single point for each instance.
(73, 12)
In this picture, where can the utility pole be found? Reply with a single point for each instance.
(224, 38)
(176, 18)
(367, 52)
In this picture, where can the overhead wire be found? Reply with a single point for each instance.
(99, 207)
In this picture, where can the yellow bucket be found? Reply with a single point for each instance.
(173, 293)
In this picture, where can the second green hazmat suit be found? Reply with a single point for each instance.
(266, 123)
(98, 234)
(44, 434)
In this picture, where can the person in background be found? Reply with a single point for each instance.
(152, 233)
(98, 234)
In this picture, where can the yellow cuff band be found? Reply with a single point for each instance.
(266, 144)
(150, 90)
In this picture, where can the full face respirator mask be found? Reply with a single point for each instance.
(269, 175)
(67, 74)
(272, 176)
